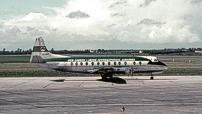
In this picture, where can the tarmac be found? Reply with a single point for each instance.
(91, 95)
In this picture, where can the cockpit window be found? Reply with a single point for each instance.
(155, 60)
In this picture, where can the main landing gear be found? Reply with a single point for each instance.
(152, 77)
(104, 76)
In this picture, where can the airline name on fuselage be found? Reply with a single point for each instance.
(45, 53)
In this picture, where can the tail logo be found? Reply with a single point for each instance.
(43, 49)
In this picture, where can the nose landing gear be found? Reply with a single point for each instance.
(152, 77)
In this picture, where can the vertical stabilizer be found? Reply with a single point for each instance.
(39, 51)
(39, 45)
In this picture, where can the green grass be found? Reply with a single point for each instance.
(39, 73)
(14, 58)
(182, 71)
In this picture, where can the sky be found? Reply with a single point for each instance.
(101, 24)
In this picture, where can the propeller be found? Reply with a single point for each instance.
(131, 72)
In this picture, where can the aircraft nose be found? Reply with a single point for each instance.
(164, 66)
(159, 63)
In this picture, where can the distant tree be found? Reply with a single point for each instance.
(30, 50)
(52, 50)
(4, 49)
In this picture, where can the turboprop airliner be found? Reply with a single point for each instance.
(105, 66)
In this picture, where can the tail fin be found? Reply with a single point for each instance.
(39, 45)
(39, 51)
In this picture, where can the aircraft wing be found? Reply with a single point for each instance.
(102, 70)
(105, 70)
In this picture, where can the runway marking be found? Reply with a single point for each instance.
(15, 102)
(47, 85)
(94, 105)
(80, 84)
(16, 85)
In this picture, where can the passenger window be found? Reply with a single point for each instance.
(86, 63)
(108, 63)
(134, 63)
(98, 63)
(114, 63)
(103, 63)
(125, 63)
(119, 63)
(92, 63)
(81, 63)
(71, 63)
(140, 63)
(76, 63)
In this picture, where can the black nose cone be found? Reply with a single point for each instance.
(156, 63)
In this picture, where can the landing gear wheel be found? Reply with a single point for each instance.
(110, 75)
(151, 78)
(104, 77)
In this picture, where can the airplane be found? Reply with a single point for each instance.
(104, 65)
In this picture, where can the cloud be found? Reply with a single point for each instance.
(78, 14)
(121, 2)
(147, 2)
(37, 33)
(30, 28)
(13, 31)
(196, 1)
(150, 22)
(118, 14)
(123, 21)
(1, 25)
(34, 16)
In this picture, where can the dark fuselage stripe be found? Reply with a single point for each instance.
(96, 58)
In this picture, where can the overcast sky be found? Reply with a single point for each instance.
(105, 24)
